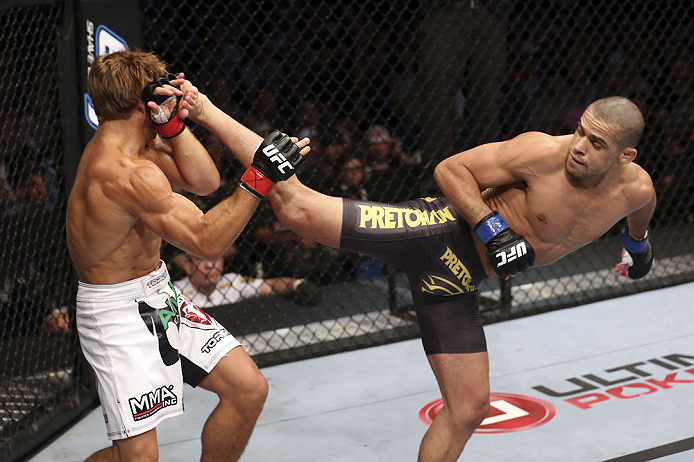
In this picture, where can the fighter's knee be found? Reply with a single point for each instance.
(259, 390)
(251, 393)
(471, 413)
(480, 411)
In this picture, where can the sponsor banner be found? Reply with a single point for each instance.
(512, 412)
(102, 27)
(622, 381)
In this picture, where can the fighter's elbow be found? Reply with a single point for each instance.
(209, 252)
(208, 248)
(442, 173)
(207, 186)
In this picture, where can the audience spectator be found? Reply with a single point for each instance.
(352, 186)
(265, 115)
(673, 169)
(463, 45)
(57, 322)
(34, 190)
(275, 248)
(393, 175)
(207, 285)
(309, 115)
(321, 173)
(351, 178)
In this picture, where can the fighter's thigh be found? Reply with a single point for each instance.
(461, 376)
(234, 375)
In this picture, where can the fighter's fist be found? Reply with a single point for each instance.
(276, 158)
(508, 252)
(164, 111)
(637, 257)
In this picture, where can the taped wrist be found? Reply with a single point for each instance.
(173, 127)
(490, 226)
(167, 128)
(256, 183)
(633, 245)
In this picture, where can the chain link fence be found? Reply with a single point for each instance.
(41, 379)
(385, 90)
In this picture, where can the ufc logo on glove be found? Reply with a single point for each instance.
(275, 159)
(275, 156)
(518, 251)
(511, 252)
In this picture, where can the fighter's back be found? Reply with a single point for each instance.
(107, 244)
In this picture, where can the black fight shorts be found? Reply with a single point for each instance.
(426, 239)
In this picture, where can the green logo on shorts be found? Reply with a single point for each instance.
(165, 315)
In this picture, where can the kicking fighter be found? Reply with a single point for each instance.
(140, 335)
(509, 205)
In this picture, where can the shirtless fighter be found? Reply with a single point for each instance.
(509, 205)
(142, 338)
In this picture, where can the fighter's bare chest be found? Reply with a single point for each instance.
(562, 213)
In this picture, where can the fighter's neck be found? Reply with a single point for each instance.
(129, 138)
(595, 182)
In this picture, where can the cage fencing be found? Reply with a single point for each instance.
(385, 90)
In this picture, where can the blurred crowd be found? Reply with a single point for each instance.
(349, 75)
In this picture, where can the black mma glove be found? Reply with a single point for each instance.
(508, 252)
(638, 255)
(167, 127)
(276, 159)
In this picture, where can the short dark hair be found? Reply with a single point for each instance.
(623, 114)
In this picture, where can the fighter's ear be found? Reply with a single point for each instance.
(627, 155)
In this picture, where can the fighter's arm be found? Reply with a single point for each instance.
(637, 251)
(145, 193)
(182, 158)
(463, 176)
(644, 197)
(240, 140)
(187, 164)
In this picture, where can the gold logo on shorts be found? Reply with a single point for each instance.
(380, 217)
(436, 285)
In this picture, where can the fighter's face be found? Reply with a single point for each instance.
(593, 149)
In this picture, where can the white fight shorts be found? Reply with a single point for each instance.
(143, 339)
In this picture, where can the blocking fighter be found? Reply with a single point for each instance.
(508, 206)
(140, 335)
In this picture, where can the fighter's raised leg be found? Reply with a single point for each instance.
(308, 213)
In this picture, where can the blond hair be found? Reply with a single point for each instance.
(116, 81)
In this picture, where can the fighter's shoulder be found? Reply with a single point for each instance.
(638, 185)
(123, 177)
(539, 142)
(538, 149)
